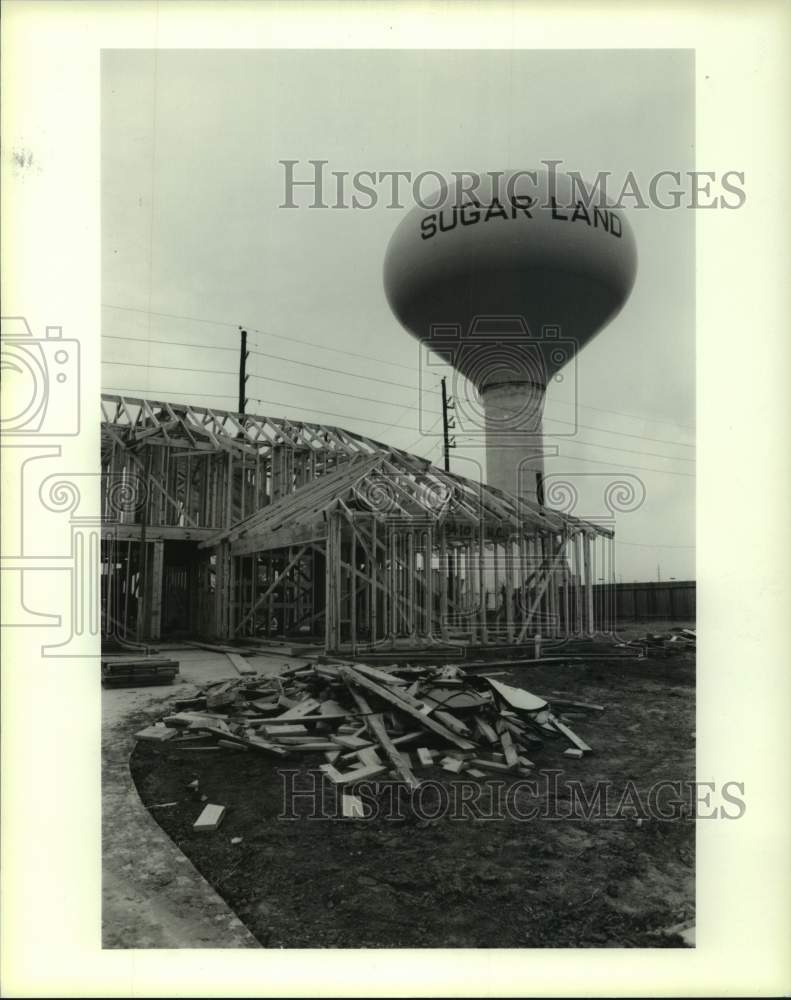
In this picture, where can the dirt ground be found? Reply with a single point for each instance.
(492, 875)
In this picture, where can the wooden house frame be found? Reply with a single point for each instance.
(232, 526)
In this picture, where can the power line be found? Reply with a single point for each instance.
(366, 357)
(639, 437)
(278, 357)
(338, 371)
(602, 430)
(327, 413)
(624, 413)
(337, 392)
(371, 378)
(265, 333)
(381, 402)
(268, 378)
(621, 465)
(152, 312)
(383, 423)
(424, 435)
(146, 393)
(337, 350)
(254, 399)
(630, 451)
(652, 545)
(170, 343)
(397, 422)
(169, 368)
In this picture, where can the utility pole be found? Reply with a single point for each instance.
(448, 423)
(244, 354)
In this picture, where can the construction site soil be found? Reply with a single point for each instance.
(504, 863)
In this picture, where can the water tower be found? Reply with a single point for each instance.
(507, 283)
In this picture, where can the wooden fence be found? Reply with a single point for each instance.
(671, 600)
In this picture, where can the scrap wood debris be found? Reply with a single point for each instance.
(675, 640)
(370, 721)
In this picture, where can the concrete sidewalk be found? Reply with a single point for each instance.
(152, 895)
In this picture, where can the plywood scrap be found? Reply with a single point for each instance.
(518, 698)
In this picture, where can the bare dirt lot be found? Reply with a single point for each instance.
(525, 870)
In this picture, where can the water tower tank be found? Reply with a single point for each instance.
(507, 283)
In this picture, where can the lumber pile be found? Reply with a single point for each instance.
(137, 671)
(371, 722)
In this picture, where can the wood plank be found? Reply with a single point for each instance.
(376, 675)
(368, 756)
(486, 731)
(240, 664)
(507, 743)
(209, 819)
(562, 703)
(350, 742)
(388, 695)
(359, 774)
(352, 807)
(379, 733)
(570, 735)
(490, 765)
(316, 746)
(157, 734)
(269, 729)
(302, 708)
(249, 741)
(230, 745)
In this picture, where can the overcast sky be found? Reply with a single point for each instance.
(191, 227)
